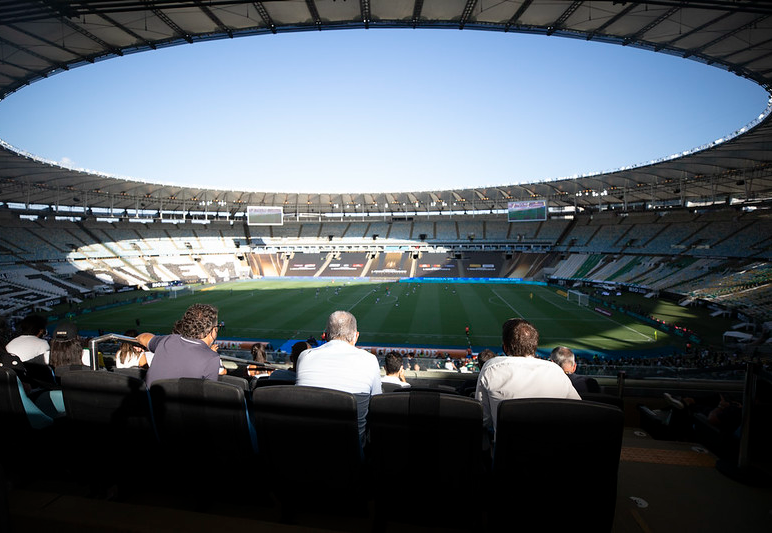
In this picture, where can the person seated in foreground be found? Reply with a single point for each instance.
(290, 374)
(188, 352)
(519, 373)
(564, 358)
(339, 364)
(395, 372)
(30, 347)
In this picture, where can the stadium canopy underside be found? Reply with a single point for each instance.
(40, 39)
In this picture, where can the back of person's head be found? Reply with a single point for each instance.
(66, 347)
(197, 322)
(297, 349)
(485, 355)
(392, 363)
(32, 325)
(126, 348)
(342, 326)
(519, 338)
(564, 358)
(258, 353)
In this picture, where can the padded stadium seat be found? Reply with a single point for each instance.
(444, 389)
(547, 447)
(41, 373)
(599, 397)
(449, 429)
(201, 415)
(110, 421)
(311, 436)
(59, 371)
(134, 371)
(256, 383)
(13, 417)
(391, 387)
(242, 383)
(23, 435)
(110, 409)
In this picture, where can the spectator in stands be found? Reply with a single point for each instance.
(188, 352)
(259, 356)
(130, 354)
(519, 374)
(484, 356)
(564, 358)
(339, 364)
(395, 372)
(290, 374)
(67, 347)
(30, 346)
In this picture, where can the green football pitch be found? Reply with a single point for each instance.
(413, 314)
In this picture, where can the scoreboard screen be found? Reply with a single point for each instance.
(527, 211)
(265, 216)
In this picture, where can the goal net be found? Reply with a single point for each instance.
(578, 297)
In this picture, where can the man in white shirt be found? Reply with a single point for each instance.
(339, 364)
(519, 374)
(30, 347)
(395, 372)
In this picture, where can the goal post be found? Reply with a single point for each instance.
(578, 297)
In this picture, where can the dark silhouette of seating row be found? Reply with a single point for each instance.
(306, 443)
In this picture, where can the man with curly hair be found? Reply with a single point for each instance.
(187, 352)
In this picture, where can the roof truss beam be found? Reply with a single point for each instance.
(515, 20)
(214, 18)
(651, 25)
(169, 22)
(612, 20)
(263, 12)
(558, 24)
(467, 13)
(364, 9)
(418, 7)
(314, 13)
(724, 36)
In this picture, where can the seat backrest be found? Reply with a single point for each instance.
(61, 370)
(445, 389)
(391, 387)
(134, 371)
(256, 383)
(109, 409)
(240, 382)
(13, 416)
(311, 435)
(41, 373)
(202, 415)
(544, 445)
(600, 397)
(447, 426)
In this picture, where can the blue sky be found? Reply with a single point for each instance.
(376, 110)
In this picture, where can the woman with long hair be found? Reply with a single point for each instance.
(66, 346)
(131, 354)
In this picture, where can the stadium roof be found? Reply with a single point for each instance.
(39, 39)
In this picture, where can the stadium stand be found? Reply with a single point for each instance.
(695, 225)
